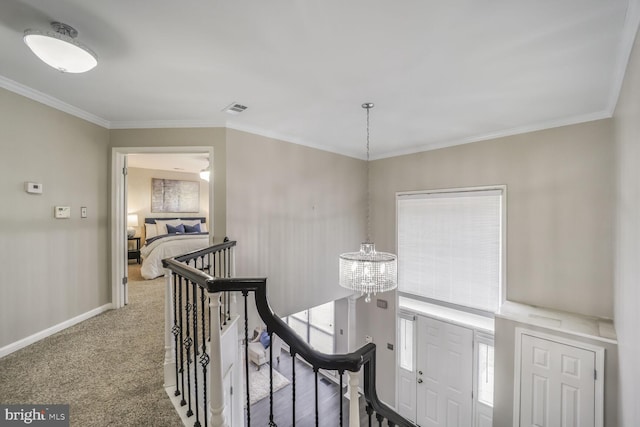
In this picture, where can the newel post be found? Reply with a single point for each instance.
(354, 403)
(216, 391)
(169, 341)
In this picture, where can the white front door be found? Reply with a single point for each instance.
(444, 374)
(557, 384)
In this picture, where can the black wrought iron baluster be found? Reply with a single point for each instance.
(369, 413)
(340, 395)
(380, 418)
(188, 343)
(315, 370)
(204, 357)
(182, 401)
(246, 355)
(195, 349)
(175, 330)
(293, 383)
(391, 423)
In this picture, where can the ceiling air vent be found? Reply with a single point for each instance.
(234, 108)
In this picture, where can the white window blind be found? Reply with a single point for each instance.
(449, 247)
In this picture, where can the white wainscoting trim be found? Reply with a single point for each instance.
(15, 346)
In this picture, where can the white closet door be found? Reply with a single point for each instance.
(557, 384)
(444, 367)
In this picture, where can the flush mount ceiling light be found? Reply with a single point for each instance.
(368, 271)
(60, 50)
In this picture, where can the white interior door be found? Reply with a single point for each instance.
(444, 374)
(125, 211)
(557, 384)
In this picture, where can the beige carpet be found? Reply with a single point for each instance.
(108, 368)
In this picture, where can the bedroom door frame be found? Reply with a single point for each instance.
(119, 205)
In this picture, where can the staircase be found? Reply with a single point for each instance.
(205, 336)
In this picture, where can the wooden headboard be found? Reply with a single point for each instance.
(153, 220)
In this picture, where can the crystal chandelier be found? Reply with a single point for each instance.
(368, 271)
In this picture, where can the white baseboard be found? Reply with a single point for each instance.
(15, 346)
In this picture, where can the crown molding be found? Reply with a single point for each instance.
(630, 30)
(550, 124)
(291, 139)
(52, 102)
(163, 124)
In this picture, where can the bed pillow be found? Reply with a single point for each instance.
(161, 225)
(192, 228)
(175, 230)
(150, 231)
(203, 226)
(265, 340)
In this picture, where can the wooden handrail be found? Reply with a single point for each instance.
(365, 356)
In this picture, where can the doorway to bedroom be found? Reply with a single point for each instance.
(163, 184)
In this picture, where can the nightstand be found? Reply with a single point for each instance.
(134, 253)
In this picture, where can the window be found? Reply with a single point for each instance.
(485, 373)
(450, 246)
(406, 340)
(315, 326)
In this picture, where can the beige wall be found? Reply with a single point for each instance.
(52, 270)
(559, 217)
(627, 272)
(293, 209)
(139, 194)
(209, 137)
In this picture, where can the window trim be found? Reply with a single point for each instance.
(503, 250)
(308, 326)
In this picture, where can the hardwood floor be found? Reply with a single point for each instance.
(329, 397)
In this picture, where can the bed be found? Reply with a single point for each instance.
(169, 237)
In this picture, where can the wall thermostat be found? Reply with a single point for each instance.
(63, 212)
(33, 187)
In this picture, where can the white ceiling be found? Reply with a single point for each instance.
(176, 162)
(440, 72)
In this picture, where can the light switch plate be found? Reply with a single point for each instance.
(62, 212)
(83, 212)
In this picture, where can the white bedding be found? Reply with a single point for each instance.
(167, 247)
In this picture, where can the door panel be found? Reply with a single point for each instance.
(407, 394)
(444, 366)
(557, 385)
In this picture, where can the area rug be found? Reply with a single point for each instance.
(259, 383)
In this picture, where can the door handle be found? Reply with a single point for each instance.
(419, 372)
(419, 380)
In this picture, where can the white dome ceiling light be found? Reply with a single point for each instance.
(60, 50)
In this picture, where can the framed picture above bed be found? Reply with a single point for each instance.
(172, 195)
